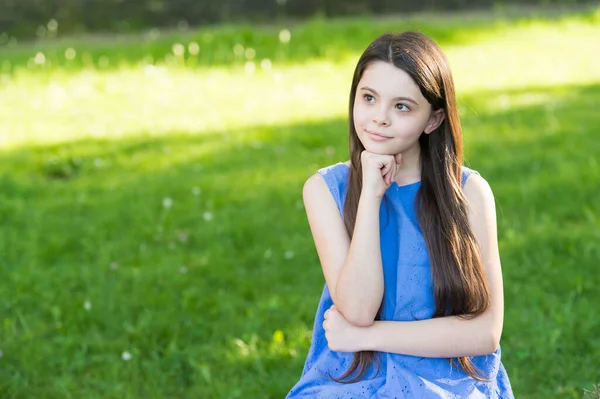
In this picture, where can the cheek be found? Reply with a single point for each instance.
(359, 114)
(409, 127)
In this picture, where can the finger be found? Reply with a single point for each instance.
(386, 168)
(325, 325)
(333, 307)
(325, 314)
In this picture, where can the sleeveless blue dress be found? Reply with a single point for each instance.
(408, 296)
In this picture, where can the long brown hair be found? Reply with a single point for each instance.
(459, 283)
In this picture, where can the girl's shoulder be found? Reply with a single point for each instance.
(466, 173)
(335, 177)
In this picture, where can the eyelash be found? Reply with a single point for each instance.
(367, 96)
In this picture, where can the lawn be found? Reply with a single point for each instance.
(154, 241)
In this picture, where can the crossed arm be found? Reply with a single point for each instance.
(354, 276)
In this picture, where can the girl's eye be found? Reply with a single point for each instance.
(402, 107)
(369, 98)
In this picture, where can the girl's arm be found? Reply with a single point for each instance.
(353, 270)
(450, 337)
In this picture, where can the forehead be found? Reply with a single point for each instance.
(389, 81)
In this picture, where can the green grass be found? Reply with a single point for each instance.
(154, 208)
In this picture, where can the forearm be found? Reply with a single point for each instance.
(444, 337)
(359, 286)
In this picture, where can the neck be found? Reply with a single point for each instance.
(410, 171)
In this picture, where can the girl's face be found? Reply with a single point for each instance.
(390, 113)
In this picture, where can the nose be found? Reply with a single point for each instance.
(380, 118)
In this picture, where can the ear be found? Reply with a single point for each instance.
(435, 120)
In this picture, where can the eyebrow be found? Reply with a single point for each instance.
(395, 98)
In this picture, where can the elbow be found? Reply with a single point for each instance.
(487, 346)
(495, 340)
(491, 343)
(361, 321)
(490, 331)
(358, 318)
(354, 315)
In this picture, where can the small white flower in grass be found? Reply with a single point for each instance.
(114, 265)
(40, 59)
(1, 354)
(196, 191)
(250, 53)
(266, 64)
(288, 254)
(126, 356)
(183, 237)
(207, 216)
(268, 253)
(178, 49)
(167, 202)
(285, 36)
(153, 34)
(87, 305)
(194, 48)
(183, 269)
(70, 53)
(238, 49)
(52, 25)
(98, 162)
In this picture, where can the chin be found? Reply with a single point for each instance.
(381, 149)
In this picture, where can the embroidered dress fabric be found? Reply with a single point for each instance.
(408, 297)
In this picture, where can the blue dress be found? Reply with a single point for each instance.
(408, 296)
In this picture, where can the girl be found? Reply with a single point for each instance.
(413, 301)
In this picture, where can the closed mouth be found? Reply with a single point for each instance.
(377, 134)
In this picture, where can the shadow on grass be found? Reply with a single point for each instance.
(173, 248)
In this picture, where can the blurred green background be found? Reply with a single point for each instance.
(154, 242)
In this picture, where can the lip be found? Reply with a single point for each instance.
(377, 136)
